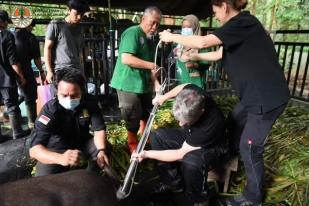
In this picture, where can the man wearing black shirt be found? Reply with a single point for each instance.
(195, 147)
(28, 49)
(60, 137)
(9, 70)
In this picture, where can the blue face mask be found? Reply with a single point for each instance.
(69, 104)
(186, 31)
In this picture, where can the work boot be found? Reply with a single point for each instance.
(31, 114)
(18, 132)
(132, 141)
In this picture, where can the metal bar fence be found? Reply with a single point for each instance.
(294, 61)
(293, 57)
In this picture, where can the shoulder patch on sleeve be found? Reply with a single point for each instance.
(44, 119)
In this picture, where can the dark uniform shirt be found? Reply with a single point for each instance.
(251, 62)
(208, 131)
(28, 48)
(8, 57)
(59, 129)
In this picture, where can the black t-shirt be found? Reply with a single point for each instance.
(208, 131)
(8, 57)
(28, 48)
(59, 129)
(251, 62)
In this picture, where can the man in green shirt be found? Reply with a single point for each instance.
(134, 73)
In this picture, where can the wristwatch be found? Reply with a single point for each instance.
(99, 150)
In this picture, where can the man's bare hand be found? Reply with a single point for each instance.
(158, 100)
(49, 77)
(138, 156)
(102, 159)
(70, 158)
(166, 36)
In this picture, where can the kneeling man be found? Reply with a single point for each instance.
(186, 154)
(61, 138)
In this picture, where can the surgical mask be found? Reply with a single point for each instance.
(69, 104)
(186, 31)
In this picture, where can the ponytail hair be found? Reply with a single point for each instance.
(235, 4)
(240, 4)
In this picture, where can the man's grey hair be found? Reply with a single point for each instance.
(150, 9)
(188, 106)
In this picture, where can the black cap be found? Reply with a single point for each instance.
(79, 5)
(4, 16)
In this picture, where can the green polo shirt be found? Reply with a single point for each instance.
(130, 79)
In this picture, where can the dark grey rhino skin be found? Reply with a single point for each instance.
(73, 188)
(14, 160)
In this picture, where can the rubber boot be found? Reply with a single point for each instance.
(18, 132)
(132, 141)
(31, 113)
(142, 126)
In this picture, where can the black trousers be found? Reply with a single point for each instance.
(89, 152)
(192, 170)
(10, 100)
(29, 93)
(249, 133)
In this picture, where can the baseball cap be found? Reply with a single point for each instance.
(4, 16)
(79, 5)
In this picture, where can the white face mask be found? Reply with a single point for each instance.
(186, 31)
(69, 104)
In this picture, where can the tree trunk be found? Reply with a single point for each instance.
(254, 7)
(273, 20)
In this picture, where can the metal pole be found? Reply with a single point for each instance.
(112, 44)
(125, 190)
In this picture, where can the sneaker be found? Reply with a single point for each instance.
(241, 201)
(165, 188)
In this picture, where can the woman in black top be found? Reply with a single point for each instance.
(250, 60)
